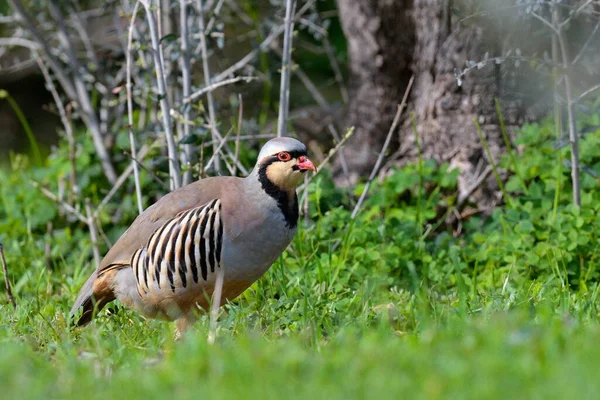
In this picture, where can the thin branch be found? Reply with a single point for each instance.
(9, 293)
(335, 66)
(174, 171)
(65, 206)
(586, 44)
(217, 151)
(239, 131)
(343, 163)
(325, 161)
(83, 98)
(262, 47)
(31, 27)
(136, 172)
(573, 138)
(587, 92)
(7, 19)
(213, 86)
(83, 35)
(211, 103)
(386, 144)
(93, 232)
(546, 22)
(17, 41)
(284, 90)
(242, 138)
(212, 20)
(65, 121)
(463, 197)
(186, 78)
(306, 81)
(574, 14)
(123, 177)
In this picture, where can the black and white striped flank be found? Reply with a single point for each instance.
(182, 251)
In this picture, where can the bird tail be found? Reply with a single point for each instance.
(93, 296)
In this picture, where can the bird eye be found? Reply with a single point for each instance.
(284, 156)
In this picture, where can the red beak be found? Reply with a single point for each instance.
(304, 164)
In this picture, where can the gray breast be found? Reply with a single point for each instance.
(249, 255)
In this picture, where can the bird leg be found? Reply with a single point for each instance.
(183, 323)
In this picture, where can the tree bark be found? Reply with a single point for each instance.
(380, 35)
(391, 40)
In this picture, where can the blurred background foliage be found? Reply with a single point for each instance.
(419, 281)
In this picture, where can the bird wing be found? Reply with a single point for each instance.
(185, 249)
(169, 206)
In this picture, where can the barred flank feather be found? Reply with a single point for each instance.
(183, 249)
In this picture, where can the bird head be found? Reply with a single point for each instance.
(283, 162)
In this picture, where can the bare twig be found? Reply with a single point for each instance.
(284, 90)
(574, 14)
(243, 138)
(587, 92)
(386, 144)
(136, 172)
(217, 151)
(174, 171)
(586, 44)
(343, 162)
(211, 103)
(212, 20)
(262, 47)
(306, 81)
(573, 138)
(335, 66)
(65, 121)
(546, 22)
(83, 35)
(91, 222)
(463, 197)
(83, 96)
(7, 19)
(332, 152)
(123, 177)
(31, 27)
(210, 88)
(9, 293)
(335, 150)
(17, 41)
(239, 131)
(187, 86)
(65, 206)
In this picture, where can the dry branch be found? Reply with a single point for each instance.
(211, 103)
(174, 171)
(284, 90)
(136, 172)
(186, 78)
(388, 139)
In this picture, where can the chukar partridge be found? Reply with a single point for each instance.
(165, 265)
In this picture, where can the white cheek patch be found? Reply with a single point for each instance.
(283, 176)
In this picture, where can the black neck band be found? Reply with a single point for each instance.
(288, 208)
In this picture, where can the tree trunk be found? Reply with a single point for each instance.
(391, 40)
(379, 34)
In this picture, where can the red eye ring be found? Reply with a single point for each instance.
(284, 156)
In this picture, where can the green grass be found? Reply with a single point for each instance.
(530, 352)
(395, 305)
